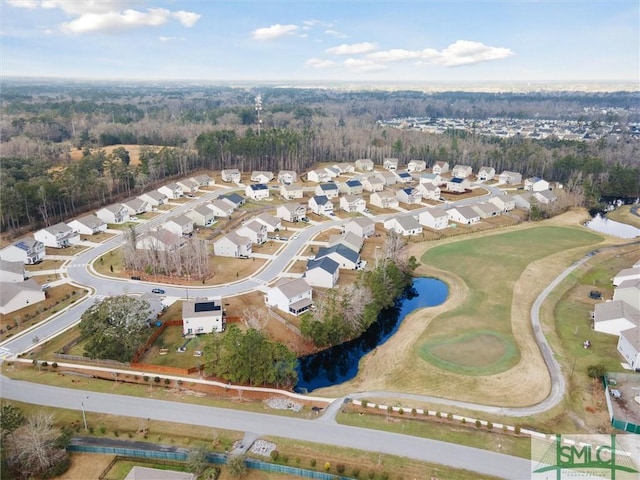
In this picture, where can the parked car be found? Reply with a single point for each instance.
(158, 291)
(135, 278)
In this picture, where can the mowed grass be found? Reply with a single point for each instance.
(489, 266)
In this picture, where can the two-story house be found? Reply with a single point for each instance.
(231, 175)
(364, 165)
(88, 225)
(261, 176)
(290, 191)
(233, 245)
(384, 199)
(323, 273)
(202, 315)
(254, 230)
(172, 191)
(202, 216)
(116, 214)
(290, 295)
(180, 225)
(353, 203)
(160, 240)
(26, 250)
(291, 212)
(321, 205)
(221, 207)
(287, 176)
(409, 196)
(436, 218)
(59, 235)
(258, 191)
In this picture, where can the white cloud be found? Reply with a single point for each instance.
(117, 21)
(187, 19)
(319, 63)
(395, 55)
(353, 49)
(361, 65)
(273, 32)
(170, 39)
(30, 4)
(335, 33)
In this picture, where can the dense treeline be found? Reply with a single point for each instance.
(197, 128)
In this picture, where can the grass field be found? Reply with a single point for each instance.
(623, 215)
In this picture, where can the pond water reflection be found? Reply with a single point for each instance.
(602, 224)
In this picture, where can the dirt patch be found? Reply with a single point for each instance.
(86, 465)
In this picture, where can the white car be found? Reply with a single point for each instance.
(296, 236)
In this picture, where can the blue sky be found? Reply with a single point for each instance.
(323, 40)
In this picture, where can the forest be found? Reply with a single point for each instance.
(53, 166)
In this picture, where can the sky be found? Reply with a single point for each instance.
(323, 40)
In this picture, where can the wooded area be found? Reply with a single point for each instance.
(186, 128)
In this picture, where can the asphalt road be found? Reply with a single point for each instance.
(457, 456)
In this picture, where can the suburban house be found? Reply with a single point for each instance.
(272, 223)
(373, 183)
(436, 218)
(254, 230)
(88, 225)
(290, 295)
(463, 215)
(202, 315)
(230, 175)
(59, 235)
(461, 171)
(323, 273)
(344, 167)
(351, 187)
(236, 199)
(17, 295)
(536, 184)
(384, 199)
(362, 226)
(545, 197)
(116, 213)
(334, 172)
(188, 185)
(289, 191)
(233, 245)
(458, 185)
(486, 173)
(258, 191)
(364, 165)
(403, 176)
(629, 347)
(429, 191)
(27, 250)
(180, 225)
(161, 240)
(329, 190)
(137, 206)
(510, 178)
(390, 164)
(221, 207)
(388, 178)
(626, 274)
(350, 239)
(346, 257)
(260, 176)
(409, 195)
(405, 225)
(172, 191)
(416, 166)
(433, 178)
(202, 216)
(319, 175)
(291, 212)
(628, 291)
(321, 205)
(204, 180)
(155, 198)
(486, 209)
(12, 271)
(440, 167)
(504, 203)
(614, 317)
(156, 307)
(287, 176)
(353, 203)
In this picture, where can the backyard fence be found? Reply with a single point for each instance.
(152, 338)
(612, 379)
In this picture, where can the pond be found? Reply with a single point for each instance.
(340, 363)
(602, 224)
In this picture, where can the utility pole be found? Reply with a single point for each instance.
(258, 110)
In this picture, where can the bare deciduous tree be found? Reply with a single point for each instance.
(254, 317)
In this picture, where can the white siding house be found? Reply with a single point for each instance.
(290, 191)
(17, 295)
(137, 206)
(201, 216)
(260, 176)
(461, 171)
(233, 245)
(116, 213)
(321, 205)
(384, 199)
(290, 295)
(510, 178)
(440, 167)
(435, 218)
(254, 230)
(628, 291)
(155, 198)
(59, 235)
(629, 347)
(188, 185)
(272, 223)
(409, 196)
(390, 164)
(221, 207)
(180, 225)
(614, 317)
(373, 183)
(363, 227)
(364, 165)
(626, 274)
(330, 190)
(287, 176)
(160, 240)
(486, 173)
(258, 191)
(405, 225)
(463, 215)
(323, 273)
(353, 203)
(291, 212)
(429, 191)
(416, 166)
(231, 175)
(172, 191)
(88, 225)
(504, 203)
(27, 250)
(12, 271)
(202, 315)
(536, 184)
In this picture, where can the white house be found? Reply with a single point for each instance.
(458, 185)
(405, 225)
(319, 175)
(220, 207)
(258, 191)
(486, 209)
(351, 187)
(291, 212)
(203, 180)
(629, 291)
(403, 176)
(344, 167)
(161, 240)
(321, 205)
(440, 167)
(429, 191)
(350, 239)
(287, 176)
(362, 226)
(353, 203)
(273, 224)
(17, 295)
(536, 184)
(388, 178)
(180, 225)
(510, 178)
(202, 216)
(116, 213)
(433, 178)
(12, 271)
(435, 218)
(409, 196)
(629, 347)
(384, 199)
(486, 173)
(329, 190)
(545, 197)
(614, 317)
(626, 274)
(137, 206)
(416, 166)
(290, 295)
(88, 225)
(261, 176)
(230, 175)
(202, 315)
(461, 171)
(235, 199)
(188, 185)
(503, 202)
(323, 273)
(364, 165)
(290, 191)
(254, 230)
(27, 250)
(373, 183)
(233, 245)
(172, 191)
(155, 198)
(59, 235)
(463, 215)
(346, 257)
(390, 164)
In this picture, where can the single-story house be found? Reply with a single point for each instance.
(628, 291)
(181, 225)
(436, 218)
(353, 203)
(390, 164)
(272, 223)
(260, 176)
(463, 215)
(330, 190)
(346, 257)
(88, 225)
(171, 190)
(221, 207)
(351, 187)
(137, 206)
(350, 239)
(323, 272)
(626, 274)
(362, 226)
(461, 171)
(254, 230)
(320, 205)
(188, 185)
(440, 167)
(486, 173)
(17, 295)
(289, 191)
(405, 225)
(291, 212)
(287, 176)
(201, 216)
(26, 250)
(161, 240)
(230, 175)
(510, 178)
(290, 295)
(59, 235)
(233, 245)
(416, 166)
(384, 199)
(614, 317)
(202, 315)
(364, 165)
(12, 271)
(258, 191)
(536, 184)
(116, 213)
(155, 198)
(373, 183)
(409, 196)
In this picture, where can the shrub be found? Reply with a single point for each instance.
(478, 423)
(58, 468)
(285, 458)
(384, 475)
(313, 462)
(91, 430)
(355, 472)
(517, 430)
(438, 414)
(146, 378)
(179, 382)
(274, 455)
(167, 381)
(156, 379)
(44, 363)
(464, 421)
(413, 411)
(489, 426)
(389, 409)
(103, 430)
(298, 460)
(54, 364)
(327, 466)
(401, 411)
(116, 433)
(371, 474)
(364, 403)
(449, 416)
(340, 468)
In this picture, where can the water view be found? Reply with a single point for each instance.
(340, 363)
(602, 224)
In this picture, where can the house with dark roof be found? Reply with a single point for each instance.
(202, 315)
(351, 187)
(345, 257)
(322, 272)
(404, 176)
(330, 190)
(458, 185)
(236, 199)
(258, 191)
(320, 205)
(409, 195)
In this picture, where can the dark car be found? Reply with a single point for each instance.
(135, 278)
(157, 290)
